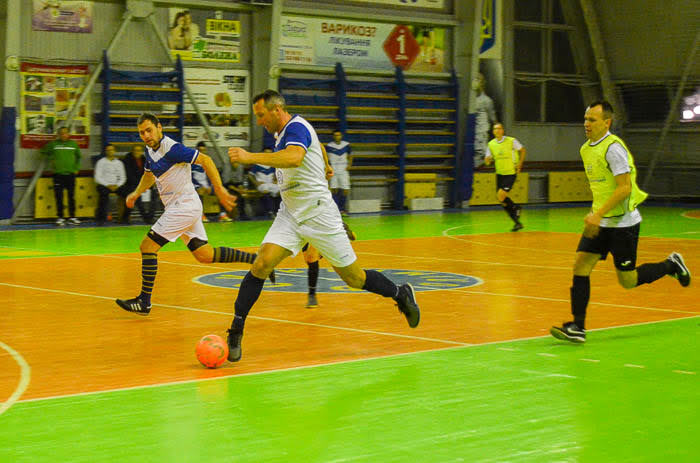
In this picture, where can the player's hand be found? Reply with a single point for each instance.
(329, 172)
(225, 198)
(236, 154)
(131, 199)
(591, 225)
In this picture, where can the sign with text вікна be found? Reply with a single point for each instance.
(48, 93)
(204, 35)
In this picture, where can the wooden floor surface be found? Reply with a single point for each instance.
(61, 317)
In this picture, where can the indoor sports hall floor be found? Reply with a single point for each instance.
(480, 380)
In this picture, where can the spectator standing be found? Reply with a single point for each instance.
(65, 155)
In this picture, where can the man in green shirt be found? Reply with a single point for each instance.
(612, 225)
(65, 155)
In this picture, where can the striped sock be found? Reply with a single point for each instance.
(223, 254)
(149, 267)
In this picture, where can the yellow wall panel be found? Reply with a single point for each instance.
(85, 199)
(421, 185)
(568, 187)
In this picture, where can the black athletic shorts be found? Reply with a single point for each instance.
(620, 242)
(505, 182)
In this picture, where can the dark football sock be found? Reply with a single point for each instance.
(248, 293)
(647, 273)
(223, 254)
(313, 277)
(149, 268)
(377, 283)
(580, 294)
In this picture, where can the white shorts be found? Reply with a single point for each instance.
(184, 217)
(340, 179)
(325, 232)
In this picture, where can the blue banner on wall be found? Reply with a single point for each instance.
(7, 160)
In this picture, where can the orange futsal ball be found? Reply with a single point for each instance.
(212, 351)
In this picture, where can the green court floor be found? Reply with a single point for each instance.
(632, 395)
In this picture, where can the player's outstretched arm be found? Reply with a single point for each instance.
(291, 156)
(147, 181)
(225, 198)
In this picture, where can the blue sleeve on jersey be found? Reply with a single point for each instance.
(297, 134)
(180, 153)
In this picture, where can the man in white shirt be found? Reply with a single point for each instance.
(307, 214)
(168, 165)
(110, 177)
(340, 159)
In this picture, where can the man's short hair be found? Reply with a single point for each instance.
(200, 144)
(493, 126)
(607, 108)
(270, 98)
(337, 131)
(108, 145)
(148, 117)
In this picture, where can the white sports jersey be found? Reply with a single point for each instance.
(338, 154)
(171, 165)
(304, 189)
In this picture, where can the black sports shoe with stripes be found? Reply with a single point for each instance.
(406, 300)
(134, 306)
(569, 331)
(681, 272)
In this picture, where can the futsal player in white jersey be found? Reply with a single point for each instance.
(340, 158)
(169, 165)
(307, 214)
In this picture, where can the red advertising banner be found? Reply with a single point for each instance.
(48, 93)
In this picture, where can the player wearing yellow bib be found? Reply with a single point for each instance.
(612, 225)
(509, 155)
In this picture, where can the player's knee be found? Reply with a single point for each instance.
(261, 268)
(627, 282)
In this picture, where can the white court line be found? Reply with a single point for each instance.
(632, 365)
(25, 377)
(684, 372)
(228, 314)
(339, 362)
(445, 233)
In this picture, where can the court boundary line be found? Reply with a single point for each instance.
(330, 364)
(24, 379)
